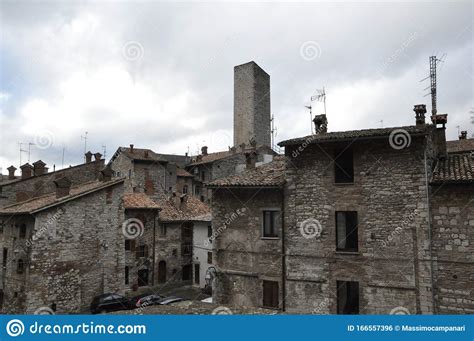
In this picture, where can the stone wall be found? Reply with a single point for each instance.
(242, 257)
(453, 247)
(36, 186)
(392, 264)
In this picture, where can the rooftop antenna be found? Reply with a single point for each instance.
(274, 131)
(22, 150)
(85, 144)
(310, 107)
(320, 97)
(104, 148)
(434, 61)
(381, 123)
(62, 159)
(29, 150)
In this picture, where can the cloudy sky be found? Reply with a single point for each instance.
(160, 74)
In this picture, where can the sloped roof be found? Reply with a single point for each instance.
(211, 157)
(460, 146)
(455, 168)
(355, 134)
(184, 208)
(138, 201)
(270, 174)
(183, 173)
(139, 154)
(49, 200)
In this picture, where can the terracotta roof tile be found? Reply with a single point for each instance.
(460, 146)
(352, 134)
(183, 173)
(138, 201)
(39, 203)
(455, 168)
(142, 154)
(267, 175)
(184, 208)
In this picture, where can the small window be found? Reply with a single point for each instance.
(129, 173)
(186, 272)
(142, 251)
(347, 297)
(209, 258)
(20, 267)
(197, 190)
(186, 249)
(270, 294)
(203, 176)
(197, 274)
(185, 189)
(5, 257)
(343, 165)
(209, 231)
(127, 272)
(129, 245)
(22, 231)
(271, 223)
(346, 231)
(163, 229)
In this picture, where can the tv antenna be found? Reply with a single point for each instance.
(22, 150)
(85, 144)
(274, 131)
(434, 61)
(104, 148)
(319, 97)
(29, 149)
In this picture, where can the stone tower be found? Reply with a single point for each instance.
(251, 105)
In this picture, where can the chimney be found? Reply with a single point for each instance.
(250, 160)
(63, 187)
(131, 149)
(145, 154)
(97, 156)
(88, 156)
(251, 105)
(320, 124)
(106, 174)
(440, 121)
(463, 135)
(26, 171)
(420, 111)
(11, 172)
(38, 168)
(204, 150)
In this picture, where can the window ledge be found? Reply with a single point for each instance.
(270, 238)
(343, 183)
(353, 253)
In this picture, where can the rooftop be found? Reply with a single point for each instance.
(183, 173)
(184, 208)
(270, 174)
(138, 201)
(460, 146)
(355, 134)
(34, 205)
(455, 168)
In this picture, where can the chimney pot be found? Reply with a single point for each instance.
(320, 124)
(131, 148)
(97, 156)
(420, 111)
(26, 171)
(145, 153)
(39, 168)
(88, 156)
(63, 187)
(204, 150)
(463, 135)
(250, 159)
(11, 172)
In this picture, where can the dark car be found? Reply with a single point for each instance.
(109, 302)
(169, 300)
(134, 300)
(147, 300)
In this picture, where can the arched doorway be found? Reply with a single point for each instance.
(162, 271)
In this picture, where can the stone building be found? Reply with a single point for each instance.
(61, 249)
(374, 220)
(36, 181)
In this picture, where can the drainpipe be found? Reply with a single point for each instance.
(430, 227)
(283, 255)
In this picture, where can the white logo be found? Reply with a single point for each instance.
(132, 228)
(310, 50)
(133, 51)
(310, 228)
(399, 139)
(44, 139)
(222, 311)
(44, 311)
(399, 311)
(15, 328)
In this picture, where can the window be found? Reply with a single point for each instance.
(129, 245)
(20, 266)
(347, 297)
(271, 222)
(22, 231)
(185, 189)
(197, 274)
(127, 272)
(142, 251)
(186, 273)
(209, 231)
(270, 294)
(346, 231)
(209, 257)
(343, 166)
(186, 249)
(203, 176)
(5, 257)
(163, 229)
(129, 173)
(197, 190)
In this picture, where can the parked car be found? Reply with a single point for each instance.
(109, 302)
(169, 300)
(207, 300)
(134, 300)
(147, 300)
